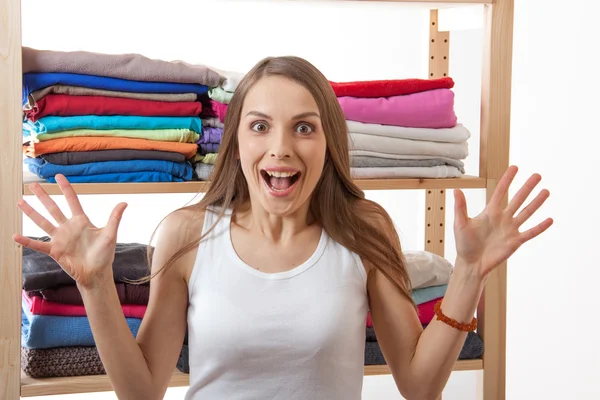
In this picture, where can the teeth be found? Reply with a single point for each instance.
(278, 174)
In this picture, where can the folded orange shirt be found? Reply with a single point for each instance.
(92, 143)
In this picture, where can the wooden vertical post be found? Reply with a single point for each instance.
(495, 144)
(11, 184)
(435, 199)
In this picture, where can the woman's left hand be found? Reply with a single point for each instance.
(490, 238)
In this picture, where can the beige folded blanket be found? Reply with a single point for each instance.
(125, 66)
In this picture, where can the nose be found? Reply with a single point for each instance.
(281, 145)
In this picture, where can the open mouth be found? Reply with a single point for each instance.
(280, 181)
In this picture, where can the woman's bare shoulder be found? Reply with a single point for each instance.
(178, 230)
(183, 225)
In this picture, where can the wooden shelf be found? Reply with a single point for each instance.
(434, 3)
(99, 383)
(465, 182)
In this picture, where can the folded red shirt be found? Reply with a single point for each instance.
(388, 88)
(68, 105)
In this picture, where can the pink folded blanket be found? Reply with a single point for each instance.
(39, 306)
(429, 109)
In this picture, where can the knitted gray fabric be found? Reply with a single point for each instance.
(61, 361)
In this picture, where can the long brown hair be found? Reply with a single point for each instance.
(337, 202)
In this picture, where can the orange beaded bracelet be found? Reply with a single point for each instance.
(451, 321)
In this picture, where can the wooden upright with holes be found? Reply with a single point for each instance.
(495, 124)
(494, 150)
(11, 178)
(435, 199)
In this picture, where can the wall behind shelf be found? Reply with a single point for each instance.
(549, 109)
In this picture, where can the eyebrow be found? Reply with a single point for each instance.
(299, 116)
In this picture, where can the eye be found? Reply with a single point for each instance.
(260, 127)
(304, 129)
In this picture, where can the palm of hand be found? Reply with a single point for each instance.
(493, 236)
(83, 251)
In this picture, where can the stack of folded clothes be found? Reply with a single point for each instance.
(429, 275)
(112, 117)
(56, 338)
(403, 128)
(213, 117)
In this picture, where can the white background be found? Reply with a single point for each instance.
(552, 330)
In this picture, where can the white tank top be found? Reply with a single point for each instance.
(293, 335)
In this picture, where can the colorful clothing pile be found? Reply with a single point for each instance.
(112, 118)
(403, 128)
(56, 338)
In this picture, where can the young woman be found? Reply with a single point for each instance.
(273, 271)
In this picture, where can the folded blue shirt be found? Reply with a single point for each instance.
(38, 80)
(46, 331)
(46, 170)
(51, 124)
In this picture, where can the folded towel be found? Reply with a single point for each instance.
(40, 271)
(220, 95)
(52, 124)
(367, 161)
(162, 135)
(427, 269)
(39, 306)
(36, 81)
(436, 172)
(425, 312)
(219, 109)
(83, 157)
(39, 94)
(207, 148)
(212, 121)
(45, 170)
(66, 105)
(401, 157)
(211, 135)
(425, 294)
(46, 331)
(61, 362)
(124, 66)
(210, 158)
(472, 349)
(203, 171)
(387, 88)
(398, 146)
(430, 109)
(69, 294)
(230, 79)
(31, 149)
(456, 134)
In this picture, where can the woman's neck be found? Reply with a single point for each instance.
(273, 228)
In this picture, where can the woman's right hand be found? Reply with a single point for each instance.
(83, 250)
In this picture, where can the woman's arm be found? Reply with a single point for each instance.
(421, 361)
(141, 368)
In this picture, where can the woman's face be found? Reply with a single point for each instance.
(282, 144)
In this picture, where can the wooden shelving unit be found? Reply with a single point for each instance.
(465, 182)
(494, 150)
